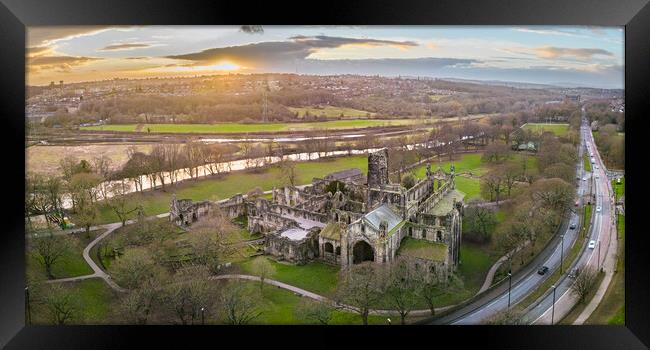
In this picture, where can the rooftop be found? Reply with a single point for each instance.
(331, 231)
(446, 204)
(419, 248)
(294, 234)
(383, 213)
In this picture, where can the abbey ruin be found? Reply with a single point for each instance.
(346, 218)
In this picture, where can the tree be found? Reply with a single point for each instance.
(188, 292)
(480, 221)
(262, 268)
(51, 249)
(238, 303)
(506, 317)
(434, 283)
(43, 195)
(120, 204)
(496, 152)
(492, 184)
(362, 287)
(132, 268)
(400, 286)
(289, 172)
(62, 306)
(314, 312)
(208, 240)
(138, 304)
(408, 181)
(553, 193)
(584, 283)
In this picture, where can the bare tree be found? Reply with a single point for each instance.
(315, 312)
(289, 172)
(62, 306)
(132, 268)
(401, 280)
(240, 305)
(120, 204)
(479, 220)
(50, 250)
(584, 283)
(361, 286)
(432, 284)
(506, 317)
(262, 268)
(188, 292)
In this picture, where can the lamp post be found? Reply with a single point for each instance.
(562, 255)
(553, 308)
(599, 253)
(202, 315)
(28, 307)
(509, 287)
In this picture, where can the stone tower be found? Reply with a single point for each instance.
(378, 168)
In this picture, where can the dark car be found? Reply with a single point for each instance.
(542, 270)
(573, 226)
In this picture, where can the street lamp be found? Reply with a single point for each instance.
(509, 287)
(599, 253)
(553, 308)
(202, 315)
(562, 255)
(389, 322)
(29, 309)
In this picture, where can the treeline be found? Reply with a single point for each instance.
(602, 113)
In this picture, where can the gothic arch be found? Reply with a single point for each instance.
(362, 251)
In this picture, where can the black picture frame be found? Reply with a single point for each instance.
(15, 15)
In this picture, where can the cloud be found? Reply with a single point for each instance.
(38, 51)
(252, 29)
(272, 52)
(122, 47)
(59, 63)
(583, 53)
(38, 36)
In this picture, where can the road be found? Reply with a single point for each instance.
(546, 312)
(527, 280)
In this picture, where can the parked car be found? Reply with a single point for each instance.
(598, 209)
(592, 244)
(542, 270)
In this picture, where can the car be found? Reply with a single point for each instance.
(572, 226)
(596, 167)
(597, 176)
(598, 209)
(542, 270)
(584, 178)
(574, 273)
(592, 244)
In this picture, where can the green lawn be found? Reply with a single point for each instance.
(279, 305)
(611, 309)
(233, 128)
(157, 202)
(330, 111)
(71, 264)
(94, 297)
(619, 189)
(586, 163)
(557, 129)
(315, 276)
(476, 260)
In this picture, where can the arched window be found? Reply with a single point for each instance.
(338, 250)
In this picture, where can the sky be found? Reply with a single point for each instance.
(566, 55)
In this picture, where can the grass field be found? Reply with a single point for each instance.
(619, 189)
(94, 299)
(315, 276)
(71, 264)
(557, 129)
(611, 309)
(278, 308)
(330, 111)
(585, 162)
(234, 128)
(157, 202)
(46, 159)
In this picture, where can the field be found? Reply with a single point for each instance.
(557, 129)
(94, 299)
(157, 202)
(330, 111)
(71, 264)
(619, 189)
(315, 276)
(45, 159)
(235, 128)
